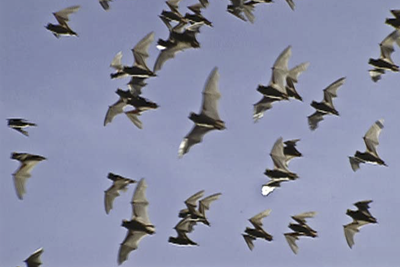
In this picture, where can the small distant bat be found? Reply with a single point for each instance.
(360, 217)
(197, 16)
(371, 139)
(280, 163)
(257, 231)
(292, 79)
(173, 14)
(300, 229)
(119, 184)
(28, 161)
(191, 204)
(183, 227)
(208, 119)
(178, 41)
(19, 125)
(385, 61)
(198, 215)
(34, 259)
(204, 204)
(139, 226)
(394, 22)
(104, 4)
(62, 17)
(325, 107)
(139, 68)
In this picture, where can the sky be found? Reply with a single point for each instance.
(63, 85)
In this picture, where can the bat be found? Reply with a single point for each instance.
(119, 184)
(197, 16)
(292, 79)
(34, 259)
(19, 125)
(325, 107)
(139, 226)
(62, 17)
(183, 227)
(208, 119)
(258, 231)
(300, 229)
(23, 173)
(394, 22)
(371, 140)
(280, 162)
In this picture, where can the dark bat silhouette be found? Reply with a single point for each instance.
(208, 119)
(325, 107)
(238, 7)
(360, 217)
(119, 184)
(140, 54)
(28, 161)
(385, 61)
(104, 4)
(394, 22)
(258, 231)
(300, 229)
(19, 125)
(197, 17)
(371, 139)
(173, 14)
(34, 259)
(139, 226)
(62, 17)
(177, 41)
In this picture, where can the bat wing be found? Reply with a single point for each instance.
(111, 193)
(363, 205)
(169, 53)
(331, 91)
(136, 84)
(248, 12)
(395, 13)
(114, 110)
(21, 131)
(291, 240)
(34, 259)
(104, 4)
(291, 4)
(22, 175)
(249, 240)
(351, 229)
(116, 62)
(196, 8)
(133, 116)
(371, 138)
(278, 156)
(62, 16)
(195, 136)
(387, 46)
(376, 74)
(140, 51)
(191, 202)
(130, 243)
(301, 218)
(260, 107)
(355, 163)
(295, 72)
(204, 204)
(256, 220)
(283, 59)
(140, 203)
(211, 95)
(314, 119)
(186, 225)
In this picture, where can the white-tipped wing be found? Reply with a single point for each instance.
(211, 95)
(140, 203)
(140, 51)
(371, 138)
(195, 136)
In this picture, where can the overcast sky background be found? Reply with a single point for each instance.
(63, 85)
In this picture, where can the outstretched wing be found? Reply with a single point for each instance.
(314, 119)
(22, 175)
(371, 138)
(249, 240)
(140, 203)
(130, 243)
(140, 51)
(204, 204)
(278, 156)
(291, 4)
(191, 202)
(261, 106)
(331, 91)
(355, 163)
(283, 59)
(387, 46)
(301, 218)
(295, 72)
(256, 220)
(169, 53)
(114, 110)
(34, 259)
(211, 95)
(351, 229)
(111, 193)
(62, 15)
(133, 116)
(291, 239)
(186, 225)
(194, 137)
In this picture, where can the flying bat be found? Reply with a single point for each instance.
(325, 107)
(257, 231)
(34, 259)
(371, 139)
(62, 17)
(280, 162)
(238, 7)
(360, 217)
(19, 125)
(385, 61)
(300, 229)
(208, 119)
(139, 226)
(173, 14)
(191, 205)
(28, 161)
(139, 68)
(394, 22)
(183, 227)
(292, 79)
(197, 16)
(119, 184)
(104, 4)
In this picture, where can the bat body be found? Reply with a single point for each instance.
(325, 107)
(208, 119)
(19, 125)
(62, 17)
(28, 161)
(371, 139)
(197, 17)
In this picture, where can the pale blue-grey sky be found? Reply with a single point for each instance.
(63, 85)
